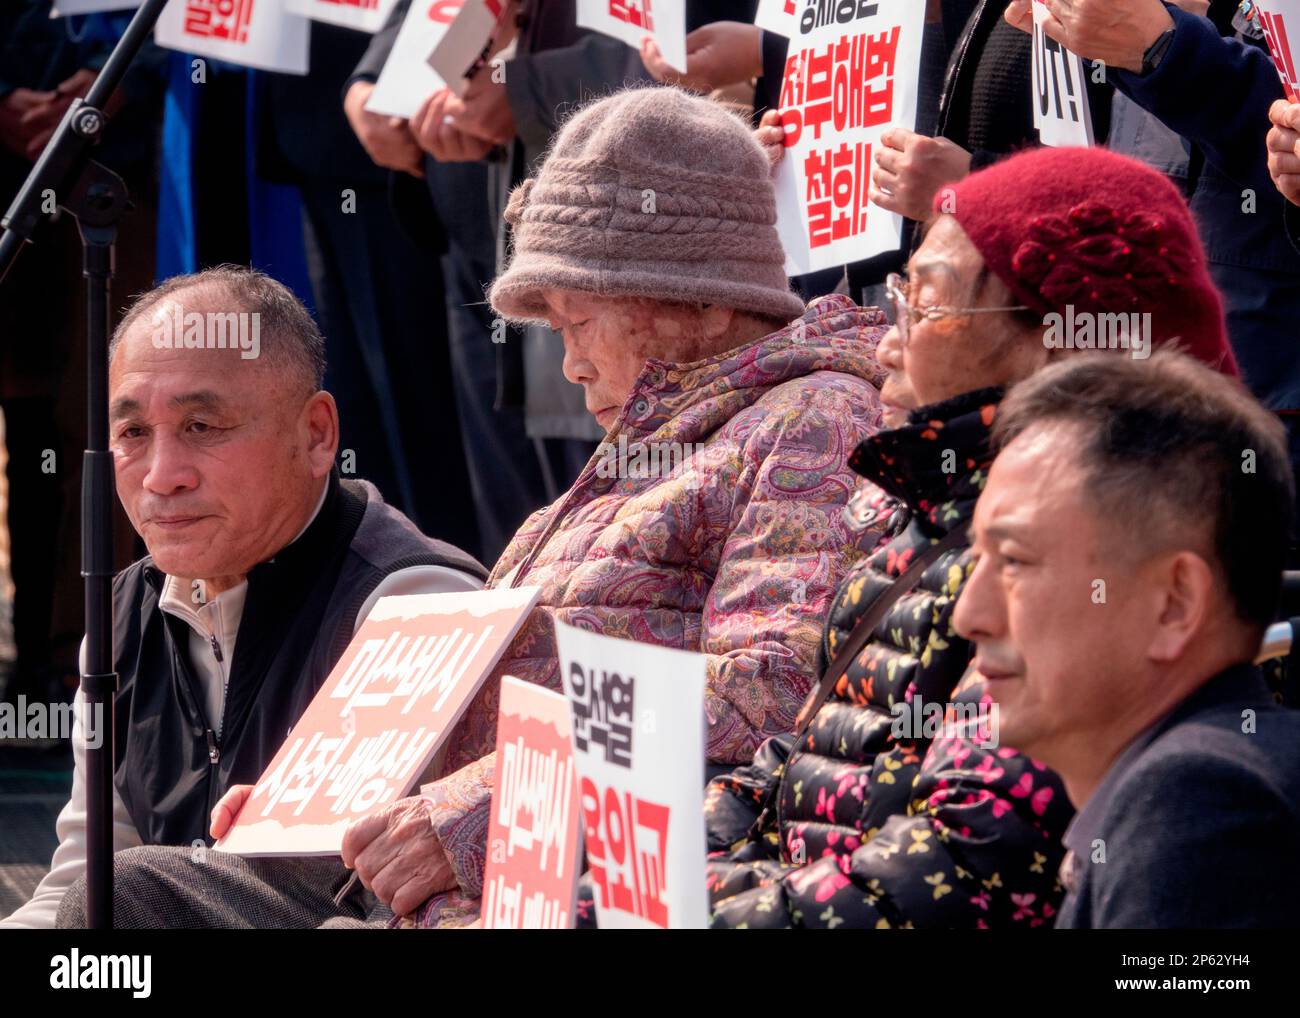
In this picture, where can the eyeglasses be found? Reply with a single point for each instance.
(905, 315)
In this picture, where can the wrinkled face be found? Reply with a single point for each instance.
(957, 353)
(607, 341)
(219, 459)
(1061, 619)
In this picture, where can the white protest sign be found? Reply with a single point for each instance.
(638, 743)
(254, 33)
(407, 79)
(632, 20)
(464, 46)
(1060, 93)
(842, 87)
(64, 8)
(378, 720)
(363, 15)
(1278, 18)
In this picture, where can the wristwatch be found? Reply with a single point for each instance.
(1156, 51)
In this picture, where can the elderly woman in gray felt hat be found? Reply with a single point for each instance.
(711, 519)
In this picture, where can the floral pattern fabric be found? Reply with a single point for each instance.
(873, 829)
(736, 552)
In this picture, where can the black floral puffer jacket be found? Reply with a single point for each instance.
(879, 823)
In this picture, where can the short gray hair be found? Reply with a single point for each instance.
(290, 339)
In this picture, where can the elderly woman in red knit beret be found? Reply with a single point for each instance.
(874, 814)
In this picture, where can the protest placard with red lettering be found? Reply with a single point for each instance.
(64, 8)
(844, 84)
(1279, 20)
(1060, 93)
(638, 744)
(462, 51)
(406, 79)
(534, 842)
(254, 33)
(386, 708)
(633, 20)
(363, 15)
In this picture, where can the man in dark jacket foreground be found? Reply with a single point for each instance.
(1130, 543)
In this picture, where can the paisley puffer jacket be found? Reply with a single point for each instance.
(735, 553)
(878, 822)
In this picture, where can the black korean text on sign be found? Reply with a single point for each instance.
(1056, 88)
(820, 13)
(602, 712)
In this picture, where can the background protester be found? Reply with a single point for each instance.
(868, 821)
(378, 296)
(45, 64)
(1145, 700)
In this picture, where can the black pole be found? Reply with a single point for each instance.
(65, 176)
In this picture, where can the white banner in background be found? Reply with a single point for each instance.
(843, 86)
(638, 745)
(254, 33)
(633, 20)
(363, 15)
(1060, 92)
(407, 79)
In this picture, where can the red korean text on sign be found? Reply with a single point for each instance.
(444, 11)
(627, 840)
(634, 12)
(364, 5)
(219, 19)
(848, 85)
(839, 86)
(1279, 45)
(836, 195)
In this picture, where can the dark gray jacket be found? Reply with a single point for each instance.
(1199, 826)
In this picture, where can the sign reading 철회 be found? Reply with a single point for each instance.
(844, 84)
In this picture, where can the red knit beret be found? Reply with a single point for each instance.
(1099, 231)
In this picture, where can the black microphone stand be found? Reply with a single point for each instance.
(65, 176)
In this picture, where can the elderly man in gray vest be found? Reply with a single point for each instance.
(262, 561)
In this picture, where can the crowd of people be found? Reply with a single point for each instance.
(901, 488)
